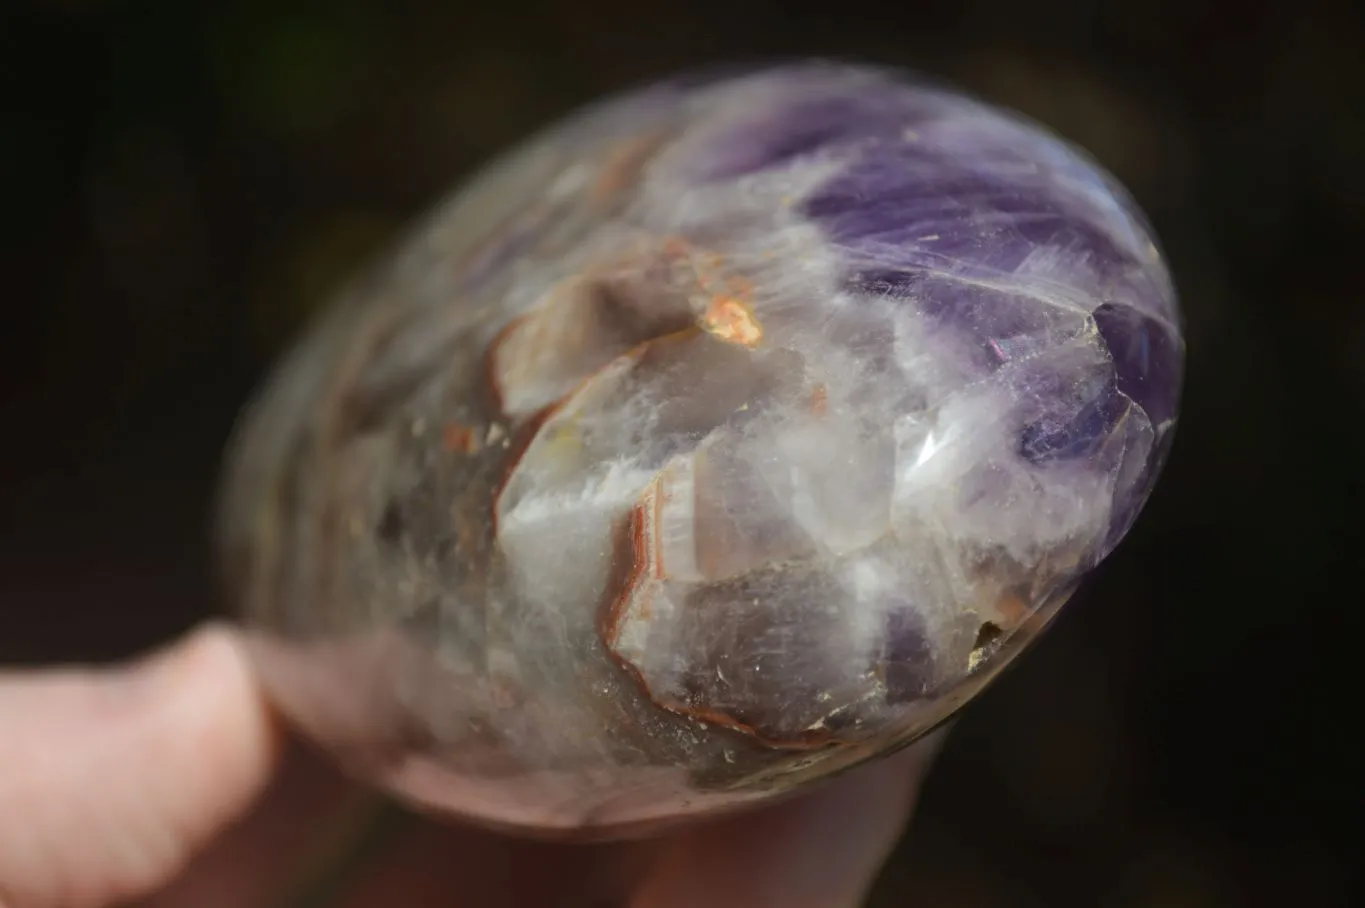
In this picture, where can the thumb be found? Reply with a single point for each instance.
(111, 778)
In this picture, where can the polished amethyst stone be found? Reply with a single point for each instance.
(726, 435)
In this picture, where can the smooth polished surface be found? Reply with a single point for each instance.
(728, 434)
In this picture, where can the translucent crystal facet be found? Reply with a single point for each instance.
(726, 435)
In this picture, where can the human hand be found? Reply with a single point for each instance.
(169, 783)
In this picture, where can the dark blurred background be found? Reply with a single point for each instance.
(182, 182)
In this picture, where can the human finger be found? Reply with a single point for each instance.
(110, 779)
(821, 850)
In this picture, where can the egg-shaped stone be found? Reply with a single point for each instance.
(728, 434)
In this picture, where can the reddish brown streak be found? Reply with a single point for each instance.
(458, 438)
(636, 563)
(524, 434)
(612, 615)
(521, 440)
(819, 400)
(490, 363)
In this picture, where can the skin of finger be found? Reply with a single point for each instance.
(823, 850)
(308, 817)
(114, 777)
(435, 863)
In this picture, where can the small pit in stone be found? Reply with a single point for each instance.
(986, 638)
(391, 524)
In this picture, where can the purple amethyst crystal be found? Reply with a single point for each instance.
(724, 436)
